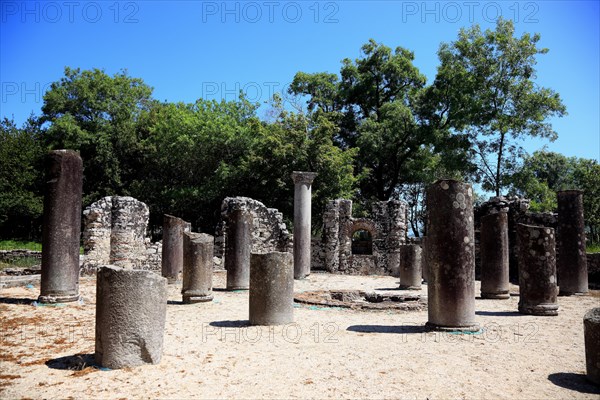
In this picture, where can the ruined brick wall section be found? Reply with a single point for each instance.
(387, 226)
(115, 233)
(269, 232)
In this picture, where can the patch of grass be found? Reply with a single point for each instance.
(19, 245)
(593, 248)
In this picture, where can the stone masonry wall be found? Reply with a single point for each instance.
(269, 232)
(387, 227)
(115, 233)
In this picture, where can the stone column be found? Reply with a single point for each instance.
(238, 244)
(198, 249)
(410, 267)
(450, 256)
(62, 227)
(302, 220)
(271, 289)
(537, 270)
(424, 270)
(131, 308)
(494, 256)
(172, 247)
(591, 332)
(571, 262)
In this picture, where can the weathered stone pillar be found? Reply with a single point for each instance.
(238, 244)
(537, 270)
(450, 256)
(331, 232)
(591, 332)
(271, 289)
(198, 250)
(62, 227)
(410, 267)
(302, 221)
(131, 310)
(571, 263)
(494, 256)
(424, 271)
(172, 247)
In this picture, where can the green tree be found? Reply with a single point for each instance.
(485, 87)
(21, 178)
(544, 173)
(375, 105)
(97, 114)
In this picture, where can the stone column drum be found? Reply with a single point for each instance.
(571, 263)
(238, 244)
(198, 250)
(450, 257)
(271, 289)
(172, 247)
(410, 267)
(62, 227)
(591, 332)
(537, 270)
(302, 222)
(131, 310)
(494, 256)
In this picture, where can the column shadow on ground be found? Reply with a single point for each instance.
(12, 300)
(230, 324)
(76, 362)
(387, 328)
(572, 381)
(499, 313)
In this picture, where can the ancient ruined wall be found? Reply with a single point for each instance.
(387, 226)
(115, 233)
(269, 232)
(518, 213)
(593, 265)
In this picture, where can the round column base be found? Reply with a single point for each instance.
(196, 298)
(406, 287)
(496, 295)
(231, 288)
(539, 309)
(472, 327)
(51, 299)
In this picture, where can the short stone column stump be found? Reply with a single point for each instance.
(410, 267)
(271, 289)
(537, 270)
(197, 267)
(591, 331)
(131, 310)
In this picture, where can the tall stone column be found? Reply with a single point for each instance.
(172, 247)
(537, 270)
(198, 249)
(302, 221)
(410, 267)
(571, 262)
(450, 256)
(494, 256)
(62, 227)
(271, 289)
(238, 245)
(131, 308)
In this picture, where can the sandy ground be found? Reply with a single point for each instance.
(210, 352)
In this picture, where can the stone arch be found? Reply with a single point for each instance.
(361, 235)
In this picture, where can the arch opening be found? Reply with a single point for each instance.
(362, 242)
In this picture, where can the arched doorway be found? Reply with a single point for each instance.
(362, 242)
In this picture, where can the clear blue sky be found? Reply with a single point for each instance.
(191, 49)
